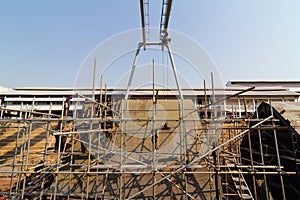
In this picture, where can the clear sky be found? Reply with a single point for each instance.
(43, 43)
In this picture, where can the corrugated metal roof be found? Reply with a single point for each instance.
(257, 92)
(41, 99)
(290, 111)
(286, 84)
(4, 88)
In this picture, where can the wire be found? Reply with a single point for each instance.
(163, 66)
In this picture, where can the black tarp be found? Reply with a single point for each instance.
(288, 146)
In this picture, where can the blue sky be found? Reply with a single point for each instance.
(43, 43)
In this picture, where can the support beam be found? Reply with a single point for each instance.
(165, 17)
(174, 69)
(133, 69)
(143, 22)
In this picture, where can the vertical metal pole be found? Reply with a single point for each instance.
(121, 149)
(153, 182)
(59, 149)
(153, 81)
(216, 153)
(263, 163)
(97, 175)
(71, 162)
(181, 142)
(224, 114)
(100, 94)
(154, 132)
(236, 145)
(82, 187)
(14, 160)
(46, 145)
(90, 150)
(23, 146)
(20, 114)
(278, 160)
(94, 78)
(262, 157)
(185, 151)
(245, 107)
(1, 115)
(105, 115)
(213, 94)
(205, 99)
(105, 94)
(252, 167)
(101, 117)
(133, 69)
(278, 156)
(240, 112)
(27, 158)
(62, 108)
(88, 168)
(48, 130)
(233, 110)
(216, 174)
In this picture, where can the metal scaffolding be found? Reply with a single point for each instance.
(153, 146)
(103, 155)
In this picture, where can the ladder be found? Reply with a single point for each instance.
(295, 149)
(240, 183)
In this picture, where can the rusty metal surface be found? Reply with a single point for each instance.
(290, 111)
